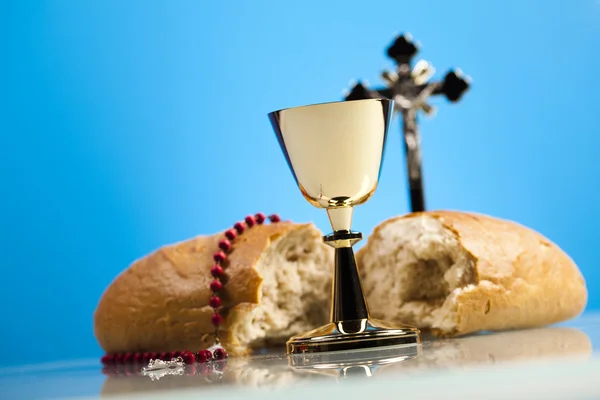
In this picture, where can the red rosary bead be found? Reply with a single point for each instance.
(204, 356)
(216, 285)
(146, 357)
(230, 234)
(217, 271)
(206, 369)
(107, 359)
(216, 319)
(274, 218)
(250, 221)
(215, 302)
(127, 358)
(188, 357)
(219, 256)
(239, 227)
(225, 245)
(219, 354)
(164, 356)
(129, 370)
(191, 370)
(138, 358)
(260, 218)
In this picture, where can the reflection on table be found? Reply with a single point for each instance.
(273, 369)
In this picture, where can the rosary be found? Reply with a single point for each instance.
(173, 363)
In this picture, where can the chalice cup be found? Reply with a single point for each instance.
(334, 151)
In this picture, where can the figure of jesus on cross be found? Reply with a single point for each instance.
(410, 89)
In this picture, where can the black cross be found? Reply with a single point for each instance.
(410, 88)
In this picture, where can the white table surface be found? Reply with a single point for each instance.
(558, 362)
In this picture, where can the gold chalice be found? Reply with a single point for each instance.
(334, 151)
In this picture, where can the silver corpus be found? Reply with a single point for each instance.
(334, 151)
(158, 368)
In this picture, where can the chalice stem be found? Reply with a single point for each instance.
(348, 299)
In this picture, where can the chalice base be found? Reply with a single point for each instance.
(353, 335)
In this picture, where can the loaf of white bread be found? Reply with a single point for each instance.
(450, 272)
(456, 273)
(277, 284)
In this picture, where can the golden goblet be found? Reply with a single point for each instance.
(334, 151)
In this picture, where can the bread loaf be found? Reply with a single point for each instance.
(278, 284)
(456, 273)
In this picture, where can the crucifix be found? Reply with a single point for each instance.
(410, 89)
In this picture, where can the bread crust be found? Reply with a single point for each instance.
(160, 303)
(522, 279)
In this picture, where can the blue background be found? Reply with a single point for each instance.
(126, 125)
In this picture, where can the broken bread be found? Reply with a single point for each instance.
(456, 273)
(278, 280)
